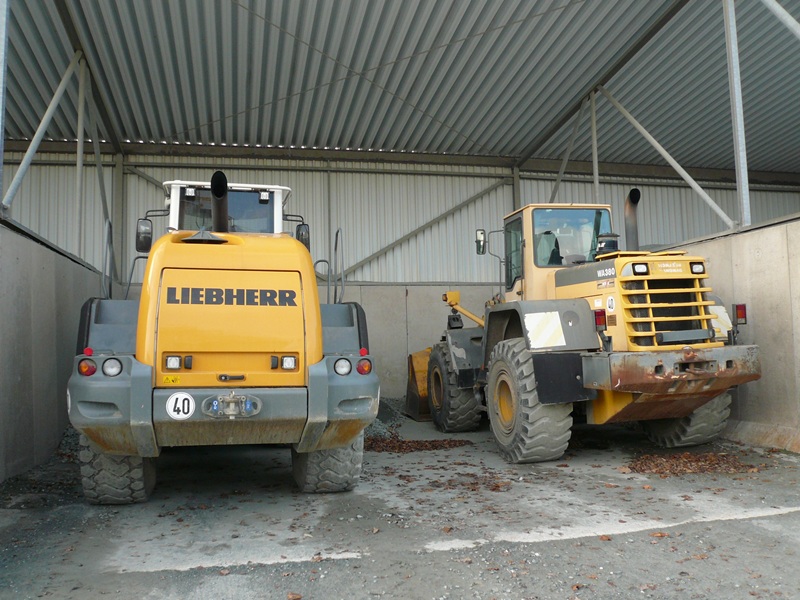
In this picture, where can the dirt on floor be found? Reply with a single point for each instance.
(435, 516)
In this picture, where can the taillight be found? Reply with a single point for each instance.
(87, 367)
(364, 366)
(600, 320)
(740, 314)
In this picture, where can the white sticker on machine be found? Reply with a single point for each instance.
(180, 406)
(544, 330)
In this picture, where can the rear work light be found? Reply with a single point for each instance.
(112, 367)
(600, 320)
(740, 314)
(342, 367)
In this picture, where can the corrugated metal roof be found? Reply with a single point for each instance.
(484, 77)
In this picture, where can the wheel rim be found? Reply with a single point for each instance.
(437, 389)
(506, 403)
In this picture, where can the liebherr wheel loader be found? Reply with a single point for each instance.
(584, 330)
(228, 344)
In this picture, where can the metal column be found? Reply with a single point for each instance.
(737, 111)
(3, 48)
(595, 162)
(79, 161)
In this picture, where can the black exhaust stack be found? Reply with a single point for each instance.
(219, 202)
(631, 221)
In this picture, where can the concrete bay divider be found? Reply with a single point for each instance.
(761, 268)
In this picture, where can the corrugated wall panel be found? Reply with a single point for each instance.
(377, 210)
(376, 205)
(45, 203)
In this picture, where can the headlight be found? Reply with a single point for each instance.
(698, 268)
(342, 366)
(112, 367)
(640, 269)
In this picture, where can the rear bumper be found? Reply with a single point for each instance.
(672, 374)
(125, 415)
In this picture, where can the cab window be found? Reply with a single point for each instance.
(567, 236)
(513, 237)
(248, 211)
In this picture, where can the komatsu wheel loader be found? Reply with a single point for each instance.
(585, 331)
(228, 344)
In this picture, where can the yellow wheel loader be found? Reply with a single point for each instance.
(585, 331)
(228, 344)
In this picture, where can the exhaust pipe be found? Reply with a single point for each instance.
(631, 221)
(219, 202)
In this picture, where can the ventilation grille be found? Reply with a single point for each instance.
(661, 313)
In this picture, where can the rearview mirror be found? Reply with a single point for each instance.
(144, 235)
(480, 241)
(303, 235)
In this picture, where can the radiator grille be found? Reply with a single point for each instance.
(663, 312)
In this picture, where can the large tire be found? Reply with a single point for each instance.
(525, 429)
(112, 479)
(452, 409)
(336, 470)
(703, 425)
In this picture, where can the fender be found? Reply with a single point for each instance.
(546, 325)
(556, 332)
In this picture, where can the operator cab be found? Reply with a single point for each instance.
(548, 237)
(251, 208)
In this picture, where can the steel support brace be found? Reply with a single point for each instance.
(784, 16)
(427, 225)
(737, 111)
(668, 157)
(37, 138)
(595, 160)
(568, 151)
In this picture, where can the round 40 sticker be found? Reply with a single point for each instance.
(180, 406)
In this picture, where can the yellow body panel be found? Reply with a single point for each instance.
(233, 308)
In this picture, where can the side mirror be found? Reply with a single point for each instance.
(144, 235)
(303, 235)
(480, 241)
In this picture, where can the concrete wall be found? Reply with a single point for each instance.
(41, 293)
(407, 318)
(761, 268)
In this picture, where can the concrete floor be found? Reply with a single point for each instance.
(457, 523)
